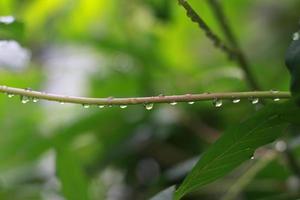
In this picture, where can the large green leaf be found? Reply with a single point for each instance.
(238, 145)
(69, 171)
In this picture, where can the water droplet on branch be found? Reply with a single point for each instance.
(236, 101)
(123, 106)
(149, 106)
(10, 95)
(35, 100)
(191, 102)
(254, 100)
(173, 103)
(85, 105)
(25, 99)
(218, 103)
(101, 106)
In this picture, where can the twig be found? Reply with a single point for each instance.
(192, 14)
(145, 100)
(234, 52)
(239, 54)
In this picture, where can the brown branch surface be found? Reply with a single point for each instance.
(144, 100)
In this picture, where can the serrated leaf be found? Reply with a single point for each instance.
(238, 144)
(69, 171)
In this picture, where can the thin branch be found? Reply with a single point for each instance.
(145, 100)
(192, 14)
(240, 55)
(233, 53)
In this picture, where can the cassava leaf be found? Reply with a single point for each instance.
(238, 144)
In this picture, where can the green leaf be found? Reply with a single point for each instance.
(12, 31)
(71, 175)
(238, 144)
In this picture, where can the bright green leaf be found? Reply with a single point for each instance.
(238, 144)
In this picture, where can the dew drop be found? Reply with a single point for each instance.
(10, 95)
(149, 106)
(274, 91)
(296, 36)
(35, 100)
(254, 100)
(191, 102)
(218, 103)
(276, 99)
(252, 158)
(236, 101)
(173, 103)
(101, 106)
(123, 106)
(24, 99)
(85, 105)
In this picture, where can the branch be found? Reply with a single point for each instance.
(239, 54)
(190, 98)
(192, 14)
(233, 53)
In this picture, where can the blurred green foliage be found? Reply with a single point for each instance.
(141, 48)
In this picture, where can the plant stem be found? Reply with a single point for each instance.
(145, 100)
(192, 14)
(239, 54)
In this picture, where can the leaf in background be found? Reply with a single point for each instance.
(238, 144)
(292, 60)
(69, 171)
(166, 194)
(11, 29)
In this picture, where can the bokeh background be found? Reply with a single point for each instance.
(130, 48)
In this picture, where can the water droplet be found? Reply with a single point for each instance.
(254, 100)
(35, 100)
(101, 106)
(85, 105)
(276, 99)
(123, 106)
(252, 158)
(10, 95)
(173, 103)
(274, 91)
(236, 101)
(24, 99)
(149, 106)
(296, 36)
(191, 102)
(218, 103)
